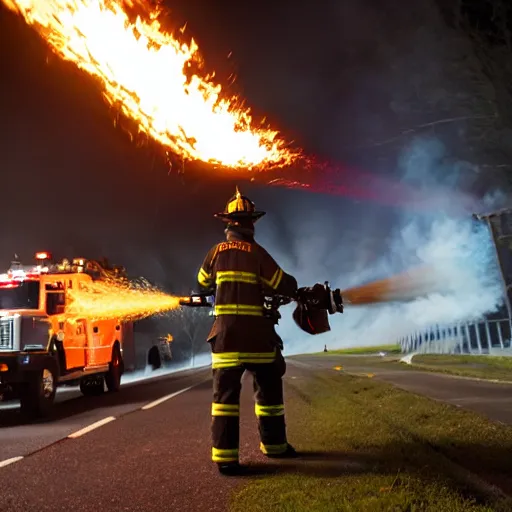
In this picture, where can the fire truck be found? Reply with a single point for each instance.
(41, 347)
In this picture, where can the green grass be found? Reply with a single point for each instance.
(390, 349)
(371, 447)
(484, 367)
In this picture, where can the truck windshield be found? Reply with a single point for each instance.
(23, 296)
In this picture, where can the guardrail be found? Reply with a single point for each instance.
(461, 338)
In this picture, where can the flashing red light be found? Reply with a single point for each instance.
(9, 284)
(42, 255)
(32, 275)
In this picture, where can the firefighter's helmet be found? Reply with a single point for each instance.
(240, 207)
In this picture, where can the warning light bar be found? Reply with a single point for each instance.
(43, 255)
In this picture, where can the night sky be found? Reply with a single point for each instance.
(74, 184)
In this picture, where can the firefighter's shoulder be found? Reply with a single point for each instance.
(205, 273)
(262, 252)
(210, 255)
(273, 275)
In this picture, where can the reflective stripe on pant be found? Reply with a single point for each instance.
(226, 414)
(269, 409)
(230, 413)
(268, 389)
(219, 455)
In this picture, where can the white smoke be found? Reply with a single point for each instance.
(200, 361)
(352, 247)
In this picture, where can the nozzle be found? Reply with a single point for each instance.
(197, 301)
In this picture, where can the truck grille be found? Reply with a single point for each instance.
(6, 334)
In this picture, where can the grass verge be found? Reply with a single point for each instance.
(389, 349)
(368, 446)
(483, 367)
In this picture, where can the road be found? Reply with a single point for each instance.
(154, 458)
(75, 411)
(494, 400)
(150, 448)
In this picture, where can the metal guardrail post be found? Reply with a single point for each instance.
(468, 338)
(455, 338)
(478, 339)
(500, 334)
(488, 334)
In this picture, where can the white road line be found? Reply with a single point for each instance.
(164, 398)
(83, 431)
(6, 462)
(172, 395)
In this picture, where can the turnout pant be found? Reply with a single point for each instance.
(269, 409)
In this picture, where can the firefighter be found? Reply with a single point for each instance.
(240, 272)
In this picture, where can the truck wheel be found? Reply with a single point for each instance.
(38, 393)
(92, 385)
(113, 377)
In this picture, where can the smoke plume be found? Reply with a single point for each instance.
(358, 243)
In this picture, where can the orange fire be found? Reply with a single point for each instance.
(143, 71)
(105, 300)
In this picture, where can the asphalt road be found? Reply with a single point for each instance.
(75, 411)
(147, 448)
(150, 459)
(494, 400)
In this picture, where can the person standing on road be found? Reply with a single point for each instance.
(240, 273)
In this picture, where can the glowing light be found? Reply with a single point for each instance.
(105, 300)
(144, 72)
(42, 256)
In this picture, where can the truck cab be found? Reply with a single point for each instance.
(42, 346)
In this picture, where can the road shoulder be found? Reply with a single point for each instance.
(367, 445)
(492, 399)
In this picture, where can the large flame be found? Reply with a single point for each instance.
(143, 71)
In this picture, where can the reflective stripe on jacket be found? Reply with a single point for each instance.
(241, 271)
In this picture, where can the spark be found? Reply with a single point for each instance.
(148, 75)
(106, 300)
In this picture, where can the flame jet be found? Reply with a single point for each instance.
(148, 75)
(151, 78)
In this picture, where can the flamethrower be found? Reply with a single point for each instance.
(314, 304)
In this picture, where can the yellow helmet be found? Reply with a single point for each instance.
(239, 207)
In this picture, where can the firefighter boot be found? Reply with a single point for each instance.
(229, 468)
(289, 453)
(232, 469)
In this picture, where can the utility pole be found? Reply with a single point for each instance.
(496, 237)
